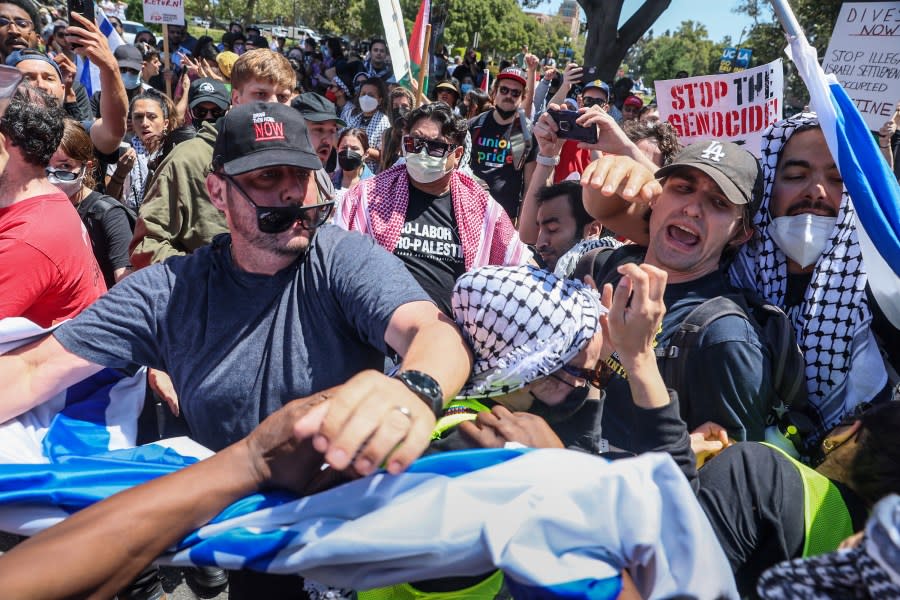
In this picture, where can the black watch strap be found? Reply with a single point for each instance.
(425, 387)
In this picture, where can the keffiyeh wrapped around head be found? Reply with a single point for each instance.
(834, 315)
(522, 323)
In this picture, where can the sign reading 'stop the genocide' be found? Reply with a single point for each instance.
(733, 106)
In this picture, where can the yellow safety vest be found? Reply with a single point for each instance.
(456, 412)
(826, 519)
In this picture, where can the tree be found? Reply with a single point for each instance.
(688, 49)
(607, 43)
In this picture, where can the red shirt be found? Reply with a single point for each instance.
(47, 268)
(572, 159)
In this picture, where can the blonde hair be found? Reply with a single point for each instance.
(263, 64)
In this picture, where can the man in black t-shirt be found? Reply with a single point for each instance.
(499, 142)
(438, 221)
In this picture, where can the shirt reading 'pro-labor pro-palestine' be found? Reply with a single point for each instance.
(430, 245)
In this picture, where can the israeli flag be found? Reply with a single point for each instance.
(870, 183)
(86, 73)
(558, 523)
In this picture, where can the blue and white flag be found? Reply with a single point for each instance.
(871, 184)
(87, 73)
(558, 523)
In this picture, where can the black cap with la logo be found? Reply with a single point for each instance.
(262, 134)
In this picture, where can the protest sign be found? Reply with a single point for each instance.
(164, 12)
(864, 55)
(735, 106)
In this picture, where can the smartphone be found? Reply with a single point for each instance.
(83, 7)
(569, 130)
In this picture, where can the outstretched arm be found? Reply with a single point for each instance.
(101, 548)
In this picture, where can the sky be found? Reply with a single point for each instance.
(716, 15)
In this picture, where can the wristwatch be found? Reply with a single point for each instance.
(425, 387)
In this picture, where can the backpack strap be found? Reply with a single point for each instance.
(475, 125)
(96, 205)
(520, 139)
(675, 357)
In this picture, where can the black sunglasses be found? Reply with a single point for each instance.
(277, 219)
(509, 91)
(414, 145)
(200, 113)
(64, 175)
(588, 101)
(596, 377)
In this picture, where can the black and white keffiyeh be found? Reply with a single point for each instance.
(870, 570)
(522, 323)
(832, 323)
(566, 264)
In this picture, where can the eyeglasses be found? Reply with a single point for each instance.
(199, 113)
(596, 377)
(64, 175)
(414, 145)
(509, 91)
(24, 24)
(277, 219)
(589, 102)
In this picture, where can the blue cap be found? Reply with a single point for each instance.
(19, 55)
(597, 83)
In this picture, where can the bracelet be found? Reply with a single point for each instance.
(547, 161)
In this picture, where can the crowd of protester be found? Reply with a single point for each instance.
(264, 220)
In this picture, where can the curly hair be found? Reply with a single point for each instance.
(452, 127)
(661, 132)
(33, 123)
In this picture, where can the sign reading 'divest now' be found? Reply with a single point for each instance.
(733, 106)
(166, 12)
(864, 55)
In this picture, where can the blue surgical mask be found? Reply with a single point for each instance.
(466, 88)
(238, 49)
(131, 80)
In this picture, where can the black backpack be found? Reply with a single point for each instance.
(93, 208)
(772, 324)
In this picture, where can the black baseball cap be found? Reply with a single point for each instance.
(207, 89)
(316, 108)
(262, 134)
(129, 57)
(735, 171)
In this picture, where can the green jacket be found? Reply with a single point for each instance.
(177, 217)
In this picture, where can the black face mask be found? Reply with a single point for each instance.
(504, 114)
(397, 114)
(350, 160)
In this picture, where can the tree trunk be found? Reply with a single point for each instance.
(607, 44)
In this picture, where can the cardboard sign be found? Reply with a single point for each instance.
(164, 12)
(864, 55)
(735, 106)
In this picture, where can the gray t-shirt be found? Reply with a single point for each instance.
(238, 346)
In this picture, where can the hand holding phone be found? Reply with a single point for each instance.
(569, 129)
(573, 74)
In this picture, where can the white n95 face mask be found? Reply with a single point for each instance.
(424, 168)
(368, 103)
(802, 238)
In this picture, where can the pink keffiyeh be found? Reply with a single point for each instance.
(377, 207)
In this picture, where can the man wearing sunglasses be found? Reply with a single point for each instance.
(207, 101)
(437, 220)
(503, 151)
(176, 217)
(281, 308)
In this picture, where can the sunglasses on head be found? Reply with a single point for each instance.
(200, 113)
(596, 377)
(277, 219)
(64, 175)
(509, 91)
(414, 145)
(588, 102)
